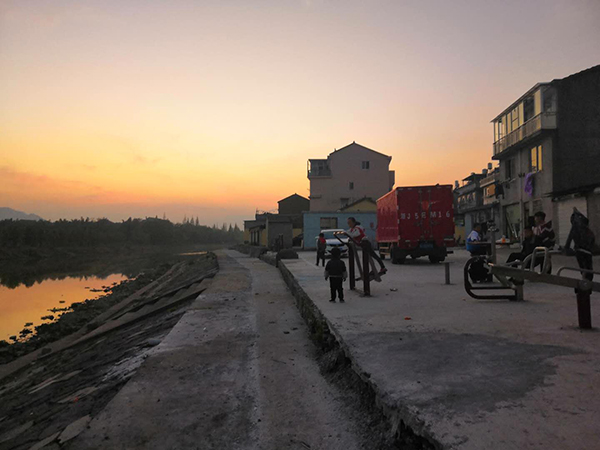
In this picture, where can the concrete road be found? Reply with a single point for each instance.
(237, 372)
(465, 373)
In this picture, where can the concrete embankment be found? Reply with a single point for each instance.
(452, 372)
(238, 371)
(401, 426)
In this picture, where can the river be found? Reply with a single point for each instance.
(28, 304)
(29, 291)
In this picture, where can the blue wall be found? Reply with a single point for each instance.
(312, 224)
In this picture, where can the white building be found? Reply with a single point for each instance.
(347, 175)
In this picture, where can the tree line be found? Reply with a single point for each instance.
(89, 233)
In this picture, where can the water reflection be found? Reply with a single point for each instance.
(28, 304)
(28, 289)
(30, 273)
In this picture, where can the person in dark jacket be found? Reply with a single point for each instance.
(335, 271)
(527, 246)
(544, 236)
(584, 241)
(321, 247)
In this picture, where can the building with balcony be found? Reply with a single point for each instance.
(547, 143)
(475, 202)
(348, 175)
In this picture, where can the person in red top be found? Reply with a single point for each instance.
(321, 247)
(358, 235)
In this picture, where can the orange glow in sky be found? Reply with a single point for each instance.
(211, 108)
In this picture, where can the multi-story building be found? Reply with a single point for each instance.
(489, 194)
(475, 202)
(548, 145)
(347, 175)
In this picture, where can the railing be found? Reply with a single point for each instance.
(532, 126)
(488, 180)
(466, 189)
(321, 172)
(317, 168)
(465, 207)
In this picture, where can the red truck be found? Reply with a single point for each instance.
(416, 221)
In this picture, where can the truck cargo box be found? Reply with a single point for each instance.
(416, 221)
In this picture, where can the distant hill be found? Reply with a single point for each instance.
(9, 213)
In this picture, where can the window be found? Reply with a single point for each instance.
(498, 130)
(366, 165)
(536, 159)
(549, 101)
(328, 223)
(351, 184)
(528, 109)
(515, 118)
(510, 169)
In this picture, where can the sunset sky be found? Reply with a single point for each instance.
(211, 108)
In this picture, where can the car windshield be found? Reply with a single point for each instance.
(329, 234)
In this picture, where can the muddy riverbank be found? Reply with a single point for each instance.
(67, 320)
(56, 389)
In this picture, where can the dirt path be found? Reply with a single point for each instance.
(297, 408)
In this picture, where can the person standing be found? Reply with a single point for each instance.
(358, 235)
(584, 242)
(335, 271)
(321, 247)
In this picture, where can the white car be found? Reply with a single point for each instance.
(332, 241)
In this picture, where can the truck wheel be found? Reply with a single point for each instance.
(397, 256)
(434, 259)
(401, 260)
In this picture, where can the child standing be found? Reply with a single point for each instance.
(321, 247)
(335, 271)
